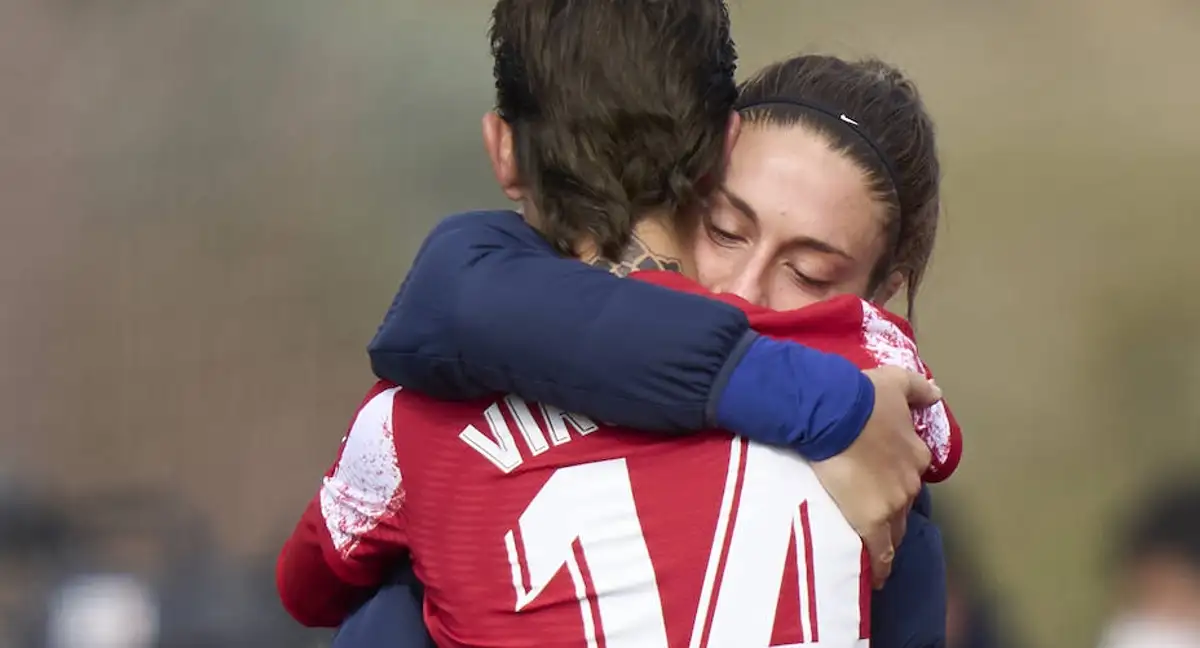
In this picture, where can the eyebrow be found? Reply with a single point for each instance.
(741, 205)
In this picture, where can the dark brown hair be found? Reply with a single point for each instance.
(871, 112)
(616, 108)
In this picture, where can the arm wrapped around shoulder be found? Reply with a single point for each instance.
(488, 306)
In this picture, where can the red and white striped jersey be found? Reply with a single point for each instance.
(533, 526)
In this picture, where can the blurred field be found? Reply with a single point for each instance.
(206, 207)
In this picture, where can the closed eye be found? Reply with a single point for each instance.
(807, 281)
(723, 237)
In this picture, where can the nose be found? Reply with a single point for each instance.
(747, 283)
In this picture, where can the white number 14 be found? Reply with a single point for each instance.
(585, 518)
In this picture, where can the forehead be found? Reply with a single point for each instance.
(794, 180)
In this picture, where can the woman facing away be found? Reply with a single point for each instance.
(833, 188)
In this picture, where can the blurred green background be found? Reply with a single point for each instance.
(206, 207)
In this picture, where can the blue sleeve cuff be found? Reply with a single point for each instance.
(785, 394)
(842, 434)
(722, 378)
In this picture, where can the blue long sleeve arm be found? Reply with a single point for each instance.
(488, 306)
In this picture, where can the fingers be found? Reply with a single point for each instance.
(899, 526)
(881, 564)
(921, 392)
(882, 551)
(923, 458)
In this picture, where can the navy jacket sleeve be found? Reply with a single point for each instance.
(910, 610)
(563, 327)
(392, 618)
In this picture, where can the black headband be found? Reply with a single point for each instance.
(838, 120)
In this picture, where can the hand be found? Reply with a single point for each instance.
(875, 481)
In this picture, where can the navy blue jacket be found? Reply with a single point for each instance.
(488, 306)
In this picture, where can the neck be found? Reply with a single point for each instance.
(655, 246)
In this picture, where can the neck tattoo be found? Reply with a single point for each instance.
(638, 256)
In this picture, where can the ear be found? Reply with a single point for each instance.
(888, 288)
(732, 130)
(498, 142)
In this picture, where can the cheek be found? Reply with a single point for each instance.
(786, 295)
(713, 263)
